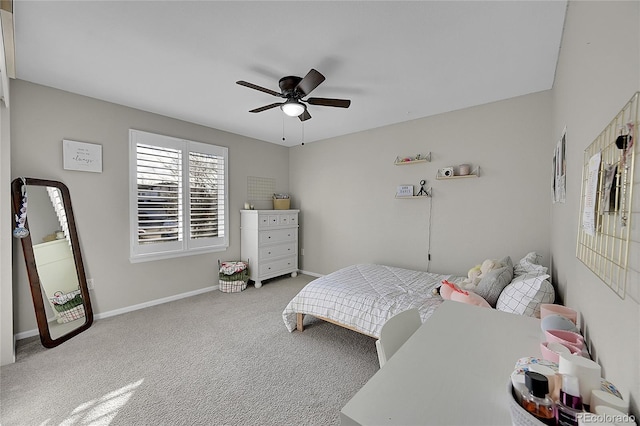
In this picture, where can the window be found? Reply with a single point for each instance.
(178, 197)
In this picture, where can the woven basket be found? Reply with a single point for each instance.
(235, 286)
(520, 416)
(70, 310)
(71, 314)
(233, 283)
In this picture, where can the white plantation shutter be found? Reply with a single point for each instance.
(179, 197)
(58, 205)
(159, 172)
(206, 198)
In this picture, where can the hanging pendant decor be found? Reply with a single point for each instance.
(20, 231)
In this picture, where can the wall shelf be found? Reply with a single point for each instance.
(412, 160)
(474, 174)
(413, 196)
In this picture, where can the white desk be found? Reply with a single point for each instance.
(453, 371)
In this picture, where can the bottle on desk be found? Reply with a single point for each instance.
(570, 404)
(537, 401)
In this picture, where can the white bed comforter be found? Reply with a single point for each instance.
(365, 296)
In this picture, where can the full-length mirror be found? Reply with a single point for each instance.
(46, 228)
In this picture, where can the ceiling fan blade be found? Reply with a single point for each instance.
(304, 116)
(266, 107)
(256, 87)
(340, 103)
(309, 82)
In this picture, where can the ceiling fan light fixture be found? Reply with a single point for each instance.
(292, 108)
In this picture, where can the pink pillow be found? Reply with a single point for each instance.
(450, 291)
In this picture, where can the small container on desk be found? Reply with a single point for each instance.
(520, 416)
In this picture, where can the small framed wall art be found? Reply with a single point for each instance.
(81, 156)
(404, 191)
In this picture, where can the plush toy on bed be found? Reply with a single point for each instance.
(477, 272)
(473, 277)
(450, 291)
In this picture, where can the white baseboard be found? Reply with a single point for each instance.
(31, 333)
(153, 303)
(313, 274)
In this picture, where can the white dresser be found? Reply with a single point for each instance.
(269, 240)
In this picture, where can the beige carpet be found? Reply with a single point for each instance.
(212, 359)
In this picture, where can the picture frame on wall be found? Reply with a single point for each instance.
(81, 156)
(560, 170)
(404, 191)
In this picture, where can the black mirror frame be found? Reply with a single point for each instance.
(32, 271)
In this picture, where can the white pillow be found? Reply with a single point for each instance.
(525, 294)
(529, 264)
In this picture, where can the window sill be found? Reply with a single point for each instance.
(174, 254)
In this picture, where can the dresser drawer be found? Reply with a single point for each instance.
(263, 220)
(279, 250)
(278, 236)
(277, 219)
(286, 265)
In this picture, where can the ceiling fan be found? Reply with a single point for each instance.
(293, 89)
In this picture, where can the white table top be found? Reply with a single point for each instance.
(453, 371)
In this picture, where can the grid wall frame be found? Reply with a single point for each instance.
(605, 233)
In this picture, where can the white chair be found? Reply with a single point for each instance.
(395, 332)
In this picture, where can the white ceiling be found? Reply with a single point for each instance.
(396, 61)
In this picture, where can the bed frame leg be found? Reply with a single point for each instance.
(299, 318)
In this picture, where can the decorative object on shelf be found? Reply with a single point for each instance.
(419, 158)
(423, 192)
(446, 171)
(464, 169)
(449, 172)
(281, 202)
(404, 191)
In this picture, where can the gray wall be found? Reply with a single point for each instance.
(345, 188)
(597, 74)
(42, 117)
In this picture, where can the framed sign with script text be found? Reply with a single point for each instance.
(82, 156)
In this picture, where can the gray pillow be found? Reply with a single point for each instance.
(492, 284)
(529, 264)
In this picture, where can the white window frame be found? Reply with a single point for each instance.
(185, 247)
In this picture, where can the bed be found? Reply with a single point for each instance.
(363, 297)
